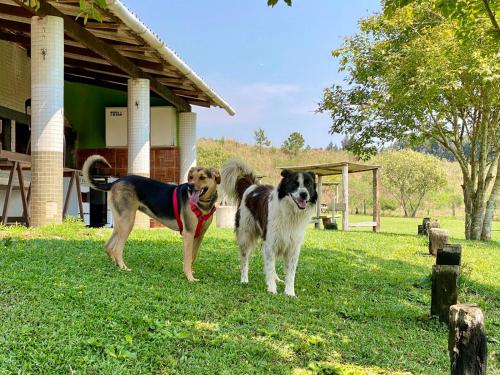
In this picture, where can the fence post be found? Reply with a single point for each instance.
(438, 238)
(444, 290)
(450, 254)
(467, 340)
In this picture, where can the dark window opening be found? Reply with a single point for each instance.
(23, 134)
(5, 135)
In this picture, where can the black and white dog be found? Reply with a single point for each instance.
(279, 215)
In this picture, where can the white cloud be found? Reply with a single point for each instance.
(278, 108)
(252, 103)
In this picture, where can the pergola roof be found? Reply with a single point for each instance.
(331, 169)
(108, 53)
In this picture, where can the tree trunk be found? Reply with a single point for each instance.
(477, 216)
(490, 208)
(474, 212)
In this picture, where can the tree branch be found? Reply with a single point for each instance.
(491, 15)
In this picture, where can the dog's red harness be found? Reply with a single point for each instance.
(201, 218)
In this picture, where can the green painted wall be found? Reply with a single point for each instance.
(84, 107)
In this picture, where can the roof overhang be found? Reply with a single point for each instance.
(112, 51)
(331, 169)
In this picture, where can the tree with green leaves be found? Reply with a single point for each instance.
(346, 143)
(331, 147)
(293, 143)
(470, 14)
(89, 8)
(272, 3)
(410, 176)
(261, 139)
(403, 85)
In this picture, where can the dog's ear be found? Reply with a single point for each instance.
(314, 196)
(285, 173)
(216, 174)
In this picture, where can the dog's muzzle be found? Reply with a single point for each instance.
(301, 200)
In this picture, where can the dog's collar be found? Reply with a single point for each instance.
(202, 218)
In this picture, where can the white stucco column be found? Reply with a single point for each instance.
(138, 125)
(47, 119)
(138, 120)
(187, 143)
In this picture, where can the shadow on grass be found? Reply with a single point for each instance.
(68, 302)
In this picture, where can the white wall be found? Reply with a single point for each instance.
(15, 78)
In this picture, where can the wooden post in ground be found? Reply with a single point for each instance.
(437, 239)
(424, 224)
(376, 199)
(450, 254)
(444, 290)
(345, 195)
(467, 340)
(317, 224)
(431, 224)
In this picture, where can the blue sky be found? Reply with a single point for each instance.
(270, 64)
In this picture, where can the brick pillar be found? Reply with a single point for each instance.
(47, 119)
(187, 143)
(138, 115)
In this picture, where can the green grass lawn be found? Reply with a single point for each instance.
(361, 309)
(406, 225)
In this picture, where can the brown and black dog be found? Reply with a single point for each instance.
(186, 207)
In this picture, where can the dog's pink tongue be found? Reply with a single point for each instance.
(302, 204)
(195, 197)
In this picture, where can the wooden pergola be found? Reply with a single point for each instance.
(344, 169)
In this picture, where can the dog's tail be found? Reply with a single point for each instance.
(89, 163)
(236, 177)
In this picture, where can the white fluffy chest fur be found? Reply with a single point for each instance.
(286, 223)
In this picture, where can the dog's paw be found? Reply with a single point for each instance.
(290, 293)
(192, 279)
(271, 290)
(125, 268)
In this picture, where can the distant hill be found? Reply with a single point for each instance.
(265, 161)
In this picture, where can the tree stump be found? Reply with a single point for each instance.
(444, 290)
(421, 230)
(437, 239)
(450, 254)
(467, 340)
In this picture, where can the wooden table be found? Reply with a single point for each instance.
(16, 162)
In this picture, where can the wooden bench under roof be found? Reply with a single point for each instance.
(15, 162)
